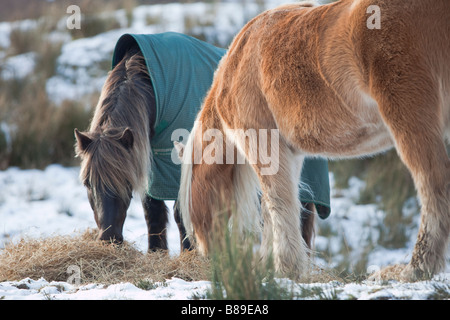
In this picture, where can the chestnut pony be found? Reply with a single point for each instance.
(333, 84)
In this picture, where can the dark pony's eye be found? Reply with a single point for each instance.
(87, 184)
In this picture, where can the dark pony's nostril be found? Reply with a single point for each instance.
(112, 240)
(110, 237)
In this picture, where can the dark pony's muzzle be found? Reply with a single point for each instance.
(110, 213)
(110, 235)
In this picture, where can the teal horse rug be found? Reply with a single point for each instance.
(181, 70)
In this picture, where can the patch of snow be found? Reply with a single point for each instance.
(29, 289)
(5, 30)
(18, 66)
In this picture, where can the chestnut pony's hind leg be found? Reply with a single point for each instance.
(413, 119)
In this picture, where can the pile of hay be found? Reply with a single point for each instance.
(98, 262)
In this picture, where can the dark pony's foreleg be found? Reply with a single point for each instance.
(156, 216)
(185, 244)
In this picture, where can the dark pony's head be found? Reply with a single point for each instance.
(115, 153)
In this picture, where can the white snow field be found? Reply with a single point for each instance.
(44, 203)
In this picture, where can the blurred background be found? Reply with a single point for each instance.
(51, 77)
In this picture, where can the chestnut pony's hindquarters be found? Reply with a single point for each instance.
(335, 87)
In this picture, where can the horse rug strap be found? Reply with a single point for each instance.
(181, 69)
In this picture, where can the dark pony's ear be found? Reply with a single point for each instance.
(127, 138)
(83, 141)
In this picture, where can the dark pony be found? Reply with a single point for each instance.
(116, 154)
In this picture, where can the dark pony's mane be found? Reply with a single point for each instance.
(112, 161)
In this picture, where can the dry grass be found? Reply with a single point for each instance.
(105, 263)
(99, 262)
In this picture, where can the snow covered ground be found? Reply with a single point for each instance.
(43, 203)
(177, 289)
